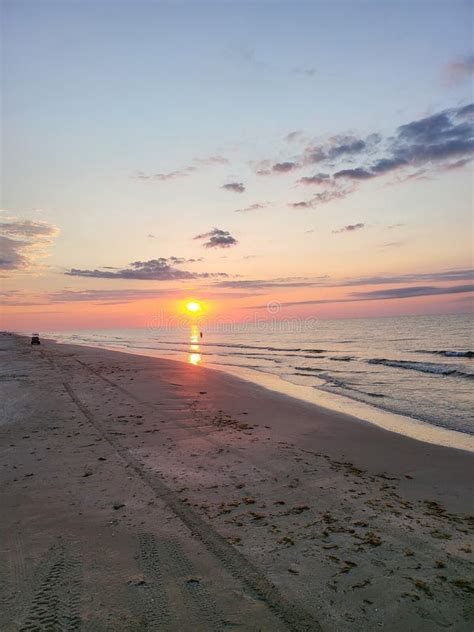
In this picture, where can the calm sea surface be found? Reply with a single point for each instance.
(418, 366)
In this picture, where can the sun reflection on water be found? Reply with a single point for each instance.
(195, 357)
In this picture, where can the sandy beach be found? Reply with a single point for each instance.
(147, 494)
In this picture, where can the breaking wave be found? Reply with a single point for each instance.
(423, 367)
(451, 354)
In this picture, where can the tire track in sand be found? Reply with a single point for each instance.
(149, 599)
(164, 559)
(55, 604)
(16, 579)
(251, 578)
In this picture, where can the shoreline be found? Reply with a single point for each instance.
(335, 427)
(371, 414)
(141, 494)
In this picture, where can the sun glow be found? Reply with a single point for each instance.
(194, 307)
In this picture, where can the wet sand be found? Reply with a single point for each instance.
(148, 494)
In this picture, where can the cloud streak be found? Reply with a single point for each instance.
(253, 207)
(160, 269)
(164, 177)
(212, 160)
(350, 228)
(465, 274)
(411, 292)
(262, 284)
(104, 297)
(14, 298)
(379, 295)
(181, 173)
(318, 178)
(323, 197)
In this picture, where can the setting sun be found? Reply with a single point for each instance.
(194, 307)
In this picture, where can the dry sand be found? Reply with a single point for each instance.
(146, 494)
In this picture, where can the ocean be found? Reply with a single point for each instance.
(421, 367)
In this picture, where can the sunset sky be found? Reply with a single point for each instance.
(311, 155)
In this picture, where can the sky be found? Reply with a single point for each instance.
(272, 159)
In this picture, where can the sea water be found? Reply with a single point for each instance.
(417, 366)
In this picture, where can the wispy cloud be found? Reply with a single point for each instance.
(113, 297)
(295, 137)
(277, 168)
(185, 172)
(163, 177)
(458, 164)
(458, 70)
(336, 148)
(411, 292)
(24, 242)
(236, 187)
(382, 295)
(285, 282)
(393, 226)
(284, 167)
(392, 244)
(212, 160)
(305, 71)
(161, 269)
(246, 53)
(419, 149)
(181, 260)
(465, 274)
(217, 238)
(350, 228)
(14, 298)
(318, 179)
(342, 146)
(104, 297)
(431, 141)
(323, 197)
(354, 174)
(253, 207)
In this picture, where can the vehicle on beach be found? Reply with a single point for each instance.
(35, 339)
